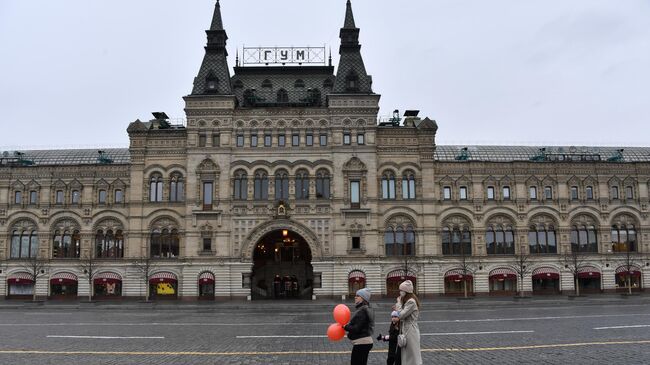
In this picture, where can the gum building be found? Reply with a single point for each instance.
(283, 183)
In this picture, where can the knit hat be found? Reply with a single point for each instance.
(394, 314)
(364, 293)
(406, 286)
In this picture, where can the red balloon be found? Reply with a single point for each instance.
(335, 332)
(342, 314)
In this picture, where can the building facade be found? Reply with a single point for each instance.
(282, 183)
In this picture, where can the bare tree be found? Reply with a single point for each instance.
(468, 266)
(35, 267)
(145, 266)
(629, 260)
(522, 264)
(575, 261)
(88, 265)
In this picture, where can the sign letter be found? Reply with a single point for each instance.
(284, 55)
(300, 55)
(267, 53)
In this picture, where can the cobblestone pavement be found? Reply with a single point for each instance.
(555, 333)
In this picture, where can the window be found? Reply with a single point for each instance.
(18, 197)
(202, 140)
(102, 196)
(24, 244)
(456, 241)
(66, 244)
(281, 186)
(261, 187)
(361, 138)
(542, 240)
(282, 96)
(59, 197)
(75, 196)
(506, 193)
(282, 140)
(322, 185)
(267, 140)
(165, 243)
(463, 193)
(352, 82)
(346, 138)
(532, 193)
(323, 139)
(309, 140)
(33, 197)
(446, 193)
(176, 188)
(589, 192)
(548, 193)
(490, 193)
(267, 84)
(408, 186)
(302, 185)
(613, 192)
(207, 244)
(574, 193)
(207, 195)
(624, 238)
(240, 186)
(399, 241)
(355, 193)
(253, 140)
(388, 185)
(119, 196)
(240, 140)
(356, 243)
(216, 139)
(583, 239)
(155, 188)
(109, 245)
(299, 84)
(629, 192)
(500, 241)
(295, 140)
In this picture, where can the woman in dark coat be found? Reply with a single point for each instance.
(360, 328)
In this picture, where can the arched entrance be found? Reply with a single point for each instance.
(282, 267)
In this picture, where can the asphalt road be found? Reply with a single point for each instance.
(557, 333)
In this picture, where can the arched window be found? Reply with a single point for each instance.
(314, 97)
(500, 241)
(399, 241)
(240, 187)
(388, 185)
(408, 185)
(24, 243)
(155, 188)
(542, 239)
(66, 244)
(281, 186)
(624, 238)
(299, 84)
(261, 186)
(583, 239)
(109, 244)
(176, 188)
(322, 184)
(266, 84)
(389, 241)
(302, 185)
(328, 84)
(409, 241)
(165, 243)
(456, 241)
(282, 96)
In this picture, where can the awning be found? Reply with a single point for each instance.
(588, 272)
(457, 275)
(357, 276)
(502, 274)
(400, 275)
(545, 273)
(107, 277)
(633, 270)
(20, 278)
(162, 277)
(63, 278)
(206, 278)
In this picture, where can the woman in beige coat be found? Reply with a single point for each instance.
(408, 307)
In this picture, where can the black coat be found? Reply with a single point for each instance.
(362, 322)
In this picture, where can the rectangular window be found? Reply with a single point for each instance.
(323, 139)
(240, 140)
(33, 197)
(346, 138)
(119, 196)
(574, 193)
(614, 193)
(548, 192)
(267, 140)
(253, 140)
(355, 193)
(295, 140)
(446, 193)
(75, 196)
(318, 280)
(207, 244)
(216, 140)
(202, 140)
(356, 243)
(282, 140)
(506, 193)
(246, 280)
(490, 193)
(361, 138)
(309, 140)
(18, 197)
(102, 197)
(589, 192)
(629, 192)
(463, 193)
(532, 193)
(59, 197)
(207, 195)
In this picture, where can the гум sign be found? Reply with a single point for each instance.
(283, 55)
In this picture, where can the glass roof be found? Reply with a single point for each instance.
(65, 157)
(539, 153)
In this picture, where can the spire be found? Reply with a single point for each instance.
(351, 75)
(214, 75)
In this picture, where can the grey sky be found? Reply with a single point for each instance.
(74, 73)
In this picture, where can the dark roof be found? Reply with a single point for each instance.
(533, 153)
(119, 156)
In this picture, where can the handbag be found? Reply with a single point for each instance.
(401, 338)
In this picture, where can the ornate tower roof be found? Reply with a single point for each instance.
(214, 74)
(351, 75)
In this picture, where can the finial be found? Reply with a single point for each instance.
(236, 56)
(330, 58)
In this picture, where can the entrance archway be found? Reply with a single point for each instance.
(282, 267)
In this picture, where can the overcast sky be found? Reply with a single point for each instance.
(75, 73)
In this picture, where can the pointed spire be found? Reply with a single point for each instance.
(214, 75)
(217, 23)
(349, 17)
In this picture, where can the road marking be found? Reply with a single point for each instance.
(292, 353)
(109, 337)
(472, 333)
(281, 336)
(620, 327)
(533, 318)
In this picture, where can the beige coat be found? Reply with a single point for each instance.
(408, 316)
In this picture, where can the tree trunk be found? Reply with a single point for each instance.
(465, 287)
(629, 283)
(90, 291)
(577, 286)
